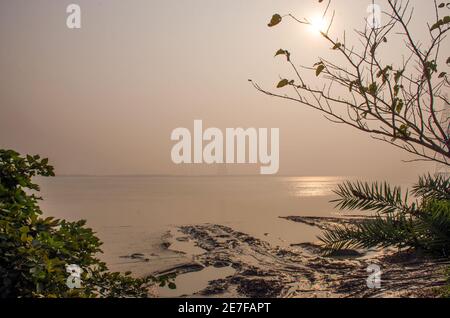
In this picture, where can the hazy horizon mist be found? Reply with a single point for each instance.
(104, 99)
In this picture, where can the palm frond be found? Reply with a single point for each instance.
(424, 224)
(434, 225)
(377, 197)
(376, 232)
(437, 187)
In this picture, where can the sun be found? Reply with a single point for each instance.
(318, 24)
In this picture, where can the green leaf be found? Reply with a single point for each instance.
(25, 238)
(399, 106)
(397, 89)
(320, 69)
(398, 75)
(284, 52)
(440, 23)
(282, 83)
(276, 19)
(436, 25)
(337, 46)
(280, 52)
(24, 229)
(404, 130)
(373, 89)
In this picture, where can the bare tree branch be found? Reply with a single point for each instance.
(400, 105)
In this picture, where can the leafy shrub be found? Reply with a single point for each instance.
(35, 250)
(445, 292)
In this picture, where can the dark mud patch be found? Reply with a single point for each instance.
(262, 270)
(326, 223)
(257, 269)
(181, 269)
(317, 249)
(139, 257)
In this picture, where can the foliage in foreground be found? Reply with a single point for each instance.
(35, 251)
(445, 292)
(423, 224)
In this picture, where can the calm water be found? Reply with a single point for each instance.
(131, 214)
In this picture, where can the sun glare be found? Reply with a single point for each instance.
(318, 24)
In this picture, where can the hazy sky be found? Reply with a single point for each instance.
(104, 99)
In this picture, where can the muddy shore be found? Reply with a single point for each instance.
(262, 270)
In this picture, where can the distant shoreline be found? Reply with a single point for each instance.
(197, 176)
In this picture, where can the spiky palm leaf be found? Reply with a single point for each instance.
(423, 224)
(375, 232)
(437, 187)
(434, 225)
(377, 197)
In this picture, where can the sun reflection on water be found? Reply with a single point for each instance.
(313, 186)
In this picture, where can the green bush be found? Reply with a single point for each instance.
(445, 292)
(422, 223)
(35, 250)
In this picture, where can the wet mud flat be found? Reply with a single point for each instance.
(302, 270)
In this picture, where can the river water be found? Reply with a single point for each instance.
(134, 214)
